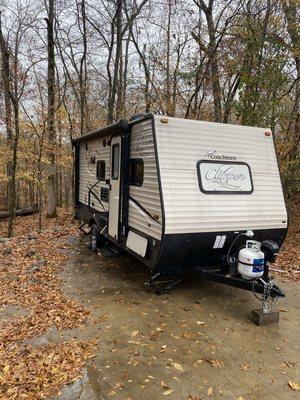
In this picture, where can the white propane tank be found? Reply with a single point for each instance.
(251, 260)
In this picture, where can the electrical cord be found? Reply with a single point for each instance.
(248, 234)
(230, 248)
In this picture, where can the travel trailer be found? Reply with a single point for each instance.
(179, 194)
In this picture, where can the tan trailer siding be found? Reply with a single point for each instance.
(182, 143)
(147, 195)
(87, 171)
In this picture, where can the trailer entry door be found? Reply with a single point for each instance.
(114, 197)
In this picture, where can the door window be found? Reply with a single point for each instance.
(101, 170)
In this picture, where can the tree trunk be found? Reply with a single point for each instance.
(168, 71)
(14, 154)
(52, 195)
(290, 9)
(125, 71)
(229, 101)
(83, 74)
(120, 83)
(214, 66)
(9, 127)
(118, 55)
(142, 56)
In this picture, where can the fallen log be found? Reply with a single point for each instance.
(19, 213)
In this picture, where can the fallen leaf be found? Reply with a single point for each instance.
(167, 392)
(289, 364)
(200, 322)
(133, 361)
(189, 335)
(245, 366)
(210, 391)
(215, 363)
(164, 385)
(175, 336)
(294, 386)
(6, 368)
(179, 367)
(134, 333)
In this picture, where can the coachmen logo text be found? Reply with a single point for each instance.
(213, 155)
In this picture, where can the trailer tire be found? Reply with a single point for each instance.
(94, 238)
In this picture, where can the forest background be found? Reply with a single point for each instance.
(68, 67)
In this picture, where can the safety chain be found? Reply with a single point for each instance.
(268, 303)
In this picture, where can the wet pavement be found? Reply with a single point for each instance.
(196, 343)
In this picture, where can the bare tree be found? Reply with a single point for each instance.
(291, 10)
(14, 79)
(52, 175)
(212, 55)
(6, 73)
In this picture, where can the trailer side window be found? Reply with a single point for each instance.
(101, 170)
(115, 161)
(136, 172)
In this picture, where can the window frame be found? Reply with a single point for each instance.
(97, 176)
(116, 145)
(129, 178)
(225, 192)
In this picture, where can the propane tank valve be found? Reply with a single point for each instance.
(249, 234)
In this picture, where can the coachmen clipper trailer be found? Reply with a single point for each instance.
(178, 194)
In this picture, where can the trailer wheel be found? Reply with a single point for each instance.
(94, 238)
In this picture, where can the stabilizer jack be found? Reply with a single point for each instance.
(162, 286)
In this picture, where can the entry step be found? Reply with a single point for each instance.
(109, 252)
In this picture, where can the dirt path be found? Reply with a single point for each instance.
(196, 343)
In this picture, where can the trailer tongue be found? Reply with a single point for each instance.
(270, 292)
(248, 270)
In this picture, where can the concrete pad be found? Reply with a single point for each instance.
(198, 341)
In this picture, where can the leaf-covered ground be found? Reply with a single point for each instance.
(31, 302)
(58, 300)
(288, 262)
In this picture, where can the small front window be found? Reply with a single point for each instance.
(115, 161)
(136, 172)
(101, 170)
